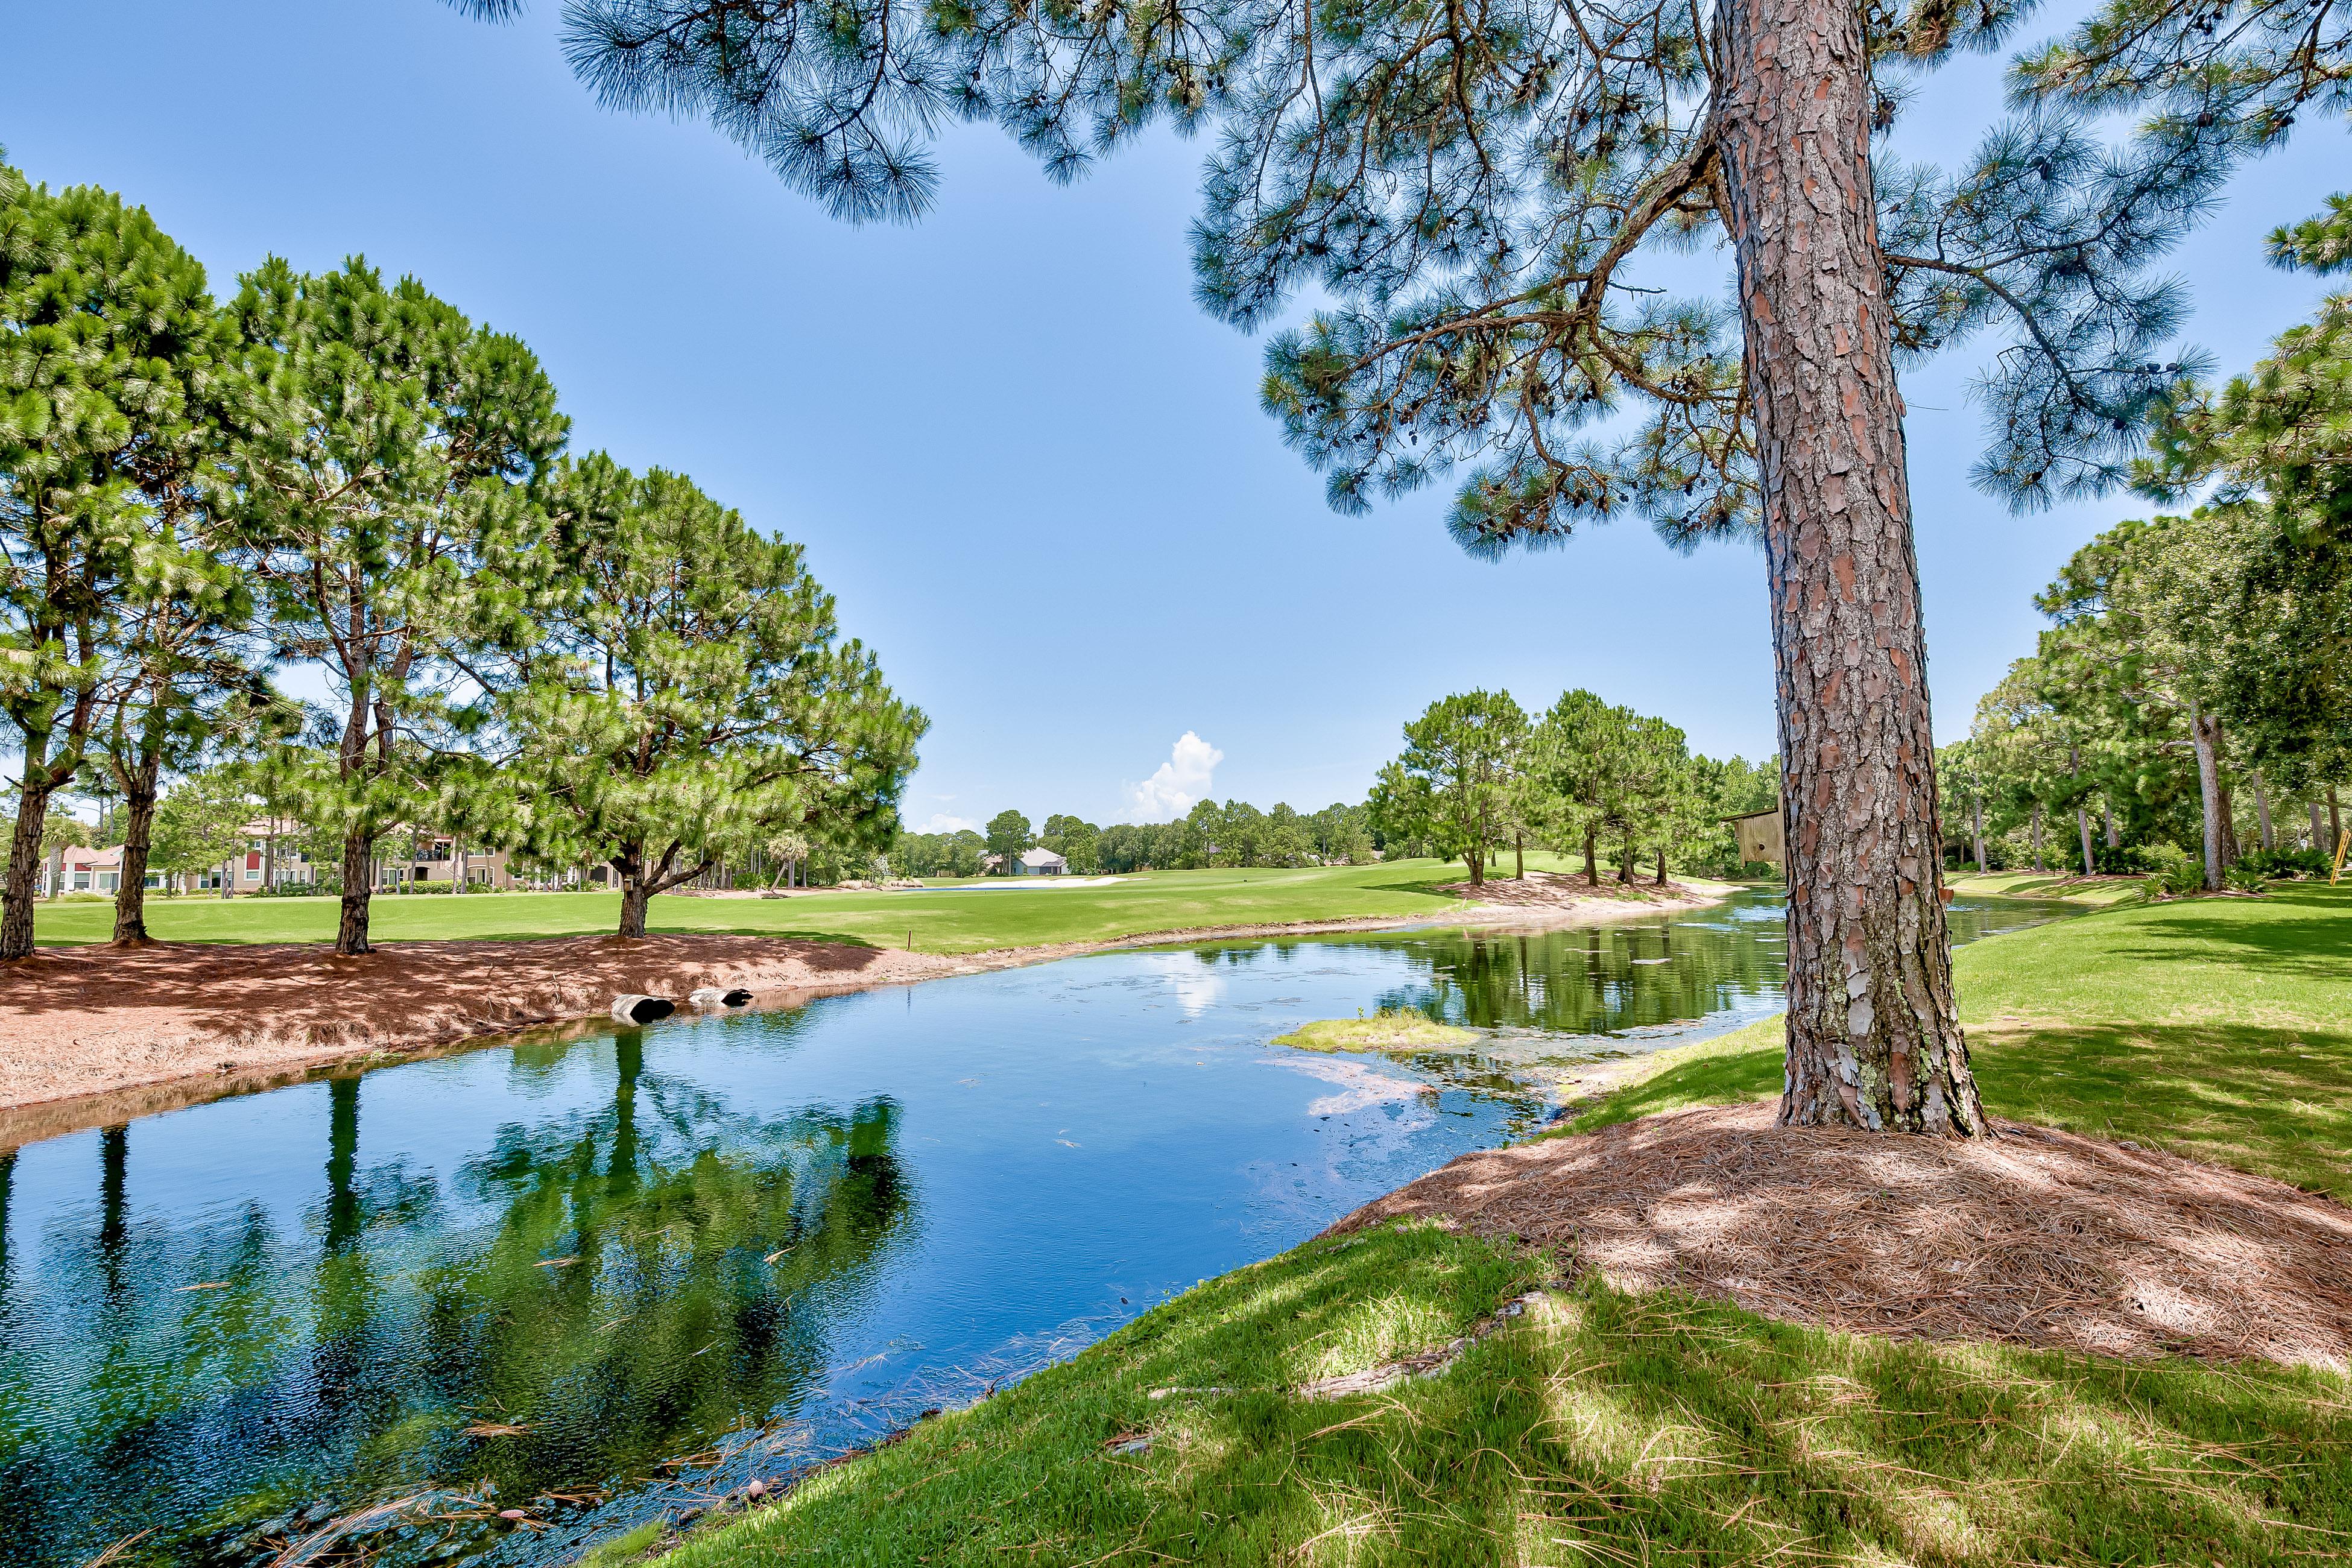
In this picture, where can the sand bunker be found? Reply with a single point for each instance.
(2041, 1237)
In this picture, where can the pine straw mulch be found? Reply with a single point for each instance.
(2040, 1237)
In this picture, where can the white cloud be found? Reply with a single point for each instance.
(940, 822)
(1183, 779)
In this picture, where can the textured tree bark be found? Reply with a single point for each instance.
(24, 868)
(1592, 859)
(1872, 1037)
(634, 900)
(352, 926)
(138, 842)
(630, 866)
(40, 778)
(2263, 810)
(2203, 734)
(2227, 797)
(2083, 826)
(1976, 811)
(2108, 816)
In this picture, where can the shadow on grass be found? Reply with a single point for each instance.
(1597, 1428)
(2314, 941)
(2277, 1102)
(2274, 1102)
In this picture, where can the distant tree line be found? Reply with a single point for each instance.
(542, 651)
(1232, 834)
(1479, 777)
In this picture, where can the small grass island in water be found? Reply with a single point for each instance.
(1390, 1029)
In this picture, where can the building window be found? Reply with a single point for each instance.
(81, 881)
(253, 873)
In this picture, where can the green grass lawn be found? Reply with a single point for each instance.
(2045, 885)
(1599, 1429)
(1611, 1429)
(2219, 1028)
(941, 921)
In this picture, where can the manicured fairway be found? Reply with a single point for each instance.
(945, 919)
(2218, 1028)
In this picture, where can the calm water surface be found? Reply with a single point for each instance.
(613, 1277)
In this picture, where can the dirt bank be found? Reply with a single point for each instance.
(2040, 1237)
(85, 1020)
(1549, 894)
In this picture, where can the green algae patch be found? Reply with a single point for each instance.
(1390, 1029)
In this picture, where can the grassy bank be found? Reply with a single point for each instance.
(1604, 1428)
(1597, 1428)
(2093, 891)
(959, 919)
(946, 920)
(2218, 1028)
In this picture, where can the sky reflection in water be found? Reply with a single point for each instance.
(539, 1276)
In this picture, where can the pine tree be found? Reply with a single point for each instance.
(1008, 839)
(1453, 786)
(688, 697)
(378, 473)
(1471, 195)
(185, 683)
(1579, 757)
(111, 354)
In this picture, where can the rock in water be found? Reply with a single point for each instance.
(635, 1009)
(714, 996)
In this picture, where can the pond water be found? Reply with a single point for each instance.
(610, 1278)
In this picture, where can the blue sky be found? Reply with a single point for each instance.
(1033, 472)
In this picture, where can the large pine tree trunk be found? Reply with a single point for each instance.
(2318, 827)
(2263, 810)
(630, 867)
(138, 838)
(2083, 826)
(1872, 1037)
(24, 865)
(351, 929)
(634, 900)
(1976, 809)
(1592, 859)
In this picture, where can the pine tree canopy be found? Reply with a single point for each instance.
(689, 693)
(1480, 195)
(2249, 69)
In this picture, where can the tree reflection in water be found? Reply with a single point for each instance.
(533, 1277)
(591, 1295)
